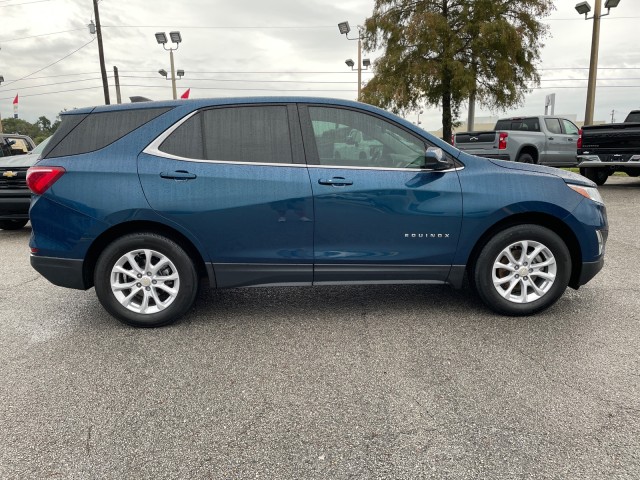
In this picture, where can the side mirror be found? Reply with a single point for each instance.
(435, 159)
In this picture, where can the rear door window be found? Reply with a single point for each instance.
(247, 134)
(553, 125)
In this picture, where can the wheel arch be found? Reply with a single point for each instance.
(531, 150)
(541, 219)
(109, 235)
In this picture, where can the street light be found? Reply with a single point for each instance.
(583, 8)
(176, 38)
(344, 30)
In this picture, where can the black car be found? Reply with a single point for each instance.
(18, 153)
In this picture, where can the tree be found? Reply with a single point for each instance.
(44, 124)
(440, 52)
(38, 131)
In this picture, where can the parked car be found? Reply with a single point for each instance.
(144, 200)
(14, 144)
(544, 140)
(609, 148)
(18, 154)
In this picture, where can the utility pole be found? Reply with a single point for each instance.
(117, 80)
(103, 70)
(593, 65)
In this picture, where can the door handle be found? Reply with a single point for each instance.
(570, 139)
(178, 175)
(550, 138)
(335, 181)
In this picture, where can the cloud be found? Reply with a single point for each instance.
(315, 45)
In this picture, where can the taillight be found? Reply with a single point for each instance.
(502, 140)
(579, 143)
(39, 179)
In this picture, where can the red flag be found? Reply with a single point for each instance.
(15, 100)
(184, 95)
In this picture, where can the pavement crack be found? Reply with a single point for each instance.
(88, 442)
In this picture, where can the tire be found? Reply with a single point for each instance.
(12, 224)
(521, 288)
(525, 158)
(596, 175)
(155, 300)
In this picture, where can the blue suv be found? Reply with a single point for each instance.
(145, 200)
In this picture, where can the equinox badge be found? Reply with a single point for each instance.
(426, 235)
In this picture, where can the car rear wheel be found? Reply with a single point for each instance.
(596, 175)
(525, 158)
(522, 270)
(145, 280)
(12, 224)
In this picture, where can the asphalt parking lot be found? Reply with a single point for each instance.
(326, 382)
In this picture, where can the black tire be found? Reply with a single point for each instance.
(177, 266)
(596, 175)
(12, 224)
(525, 158)
(483, 271)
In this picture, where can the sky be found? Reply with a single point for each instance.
(280, 47)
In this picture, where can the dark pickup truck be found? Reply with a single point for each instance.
(17, 154)
(613, 147)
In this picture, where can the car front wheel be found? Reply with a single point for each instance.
(145, 280)
(522, 270)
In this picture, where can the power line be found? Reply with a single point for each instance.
(97, 87)
(579, 18)
(51, 64)
(41, 35)
(25, 3)
(247, 89)
(242, 80)
(59, 83)
(342, 72)
(245, 27)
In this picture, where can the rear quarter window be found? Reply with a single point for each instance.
(87, 133)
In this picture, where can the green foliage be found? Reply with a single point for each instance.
(440, 51)
(38, 131)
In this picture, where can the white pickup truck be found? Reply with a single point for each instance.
(544, 140)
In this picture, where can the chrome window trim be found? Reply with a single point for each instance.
(154, 149)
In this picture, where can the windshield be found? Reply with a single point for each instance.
(38, 150)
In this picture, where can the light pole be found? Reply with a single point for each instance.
(344, 30)
(583, 8)
(176, 38)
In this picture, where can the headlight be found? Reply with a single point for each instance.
(591, 193)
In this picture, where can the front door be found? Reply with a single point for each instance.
(379, 216)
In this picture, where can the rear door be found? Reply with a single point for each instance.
(235, 178)
(556, 143)
(570, 149)
(379, 217)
